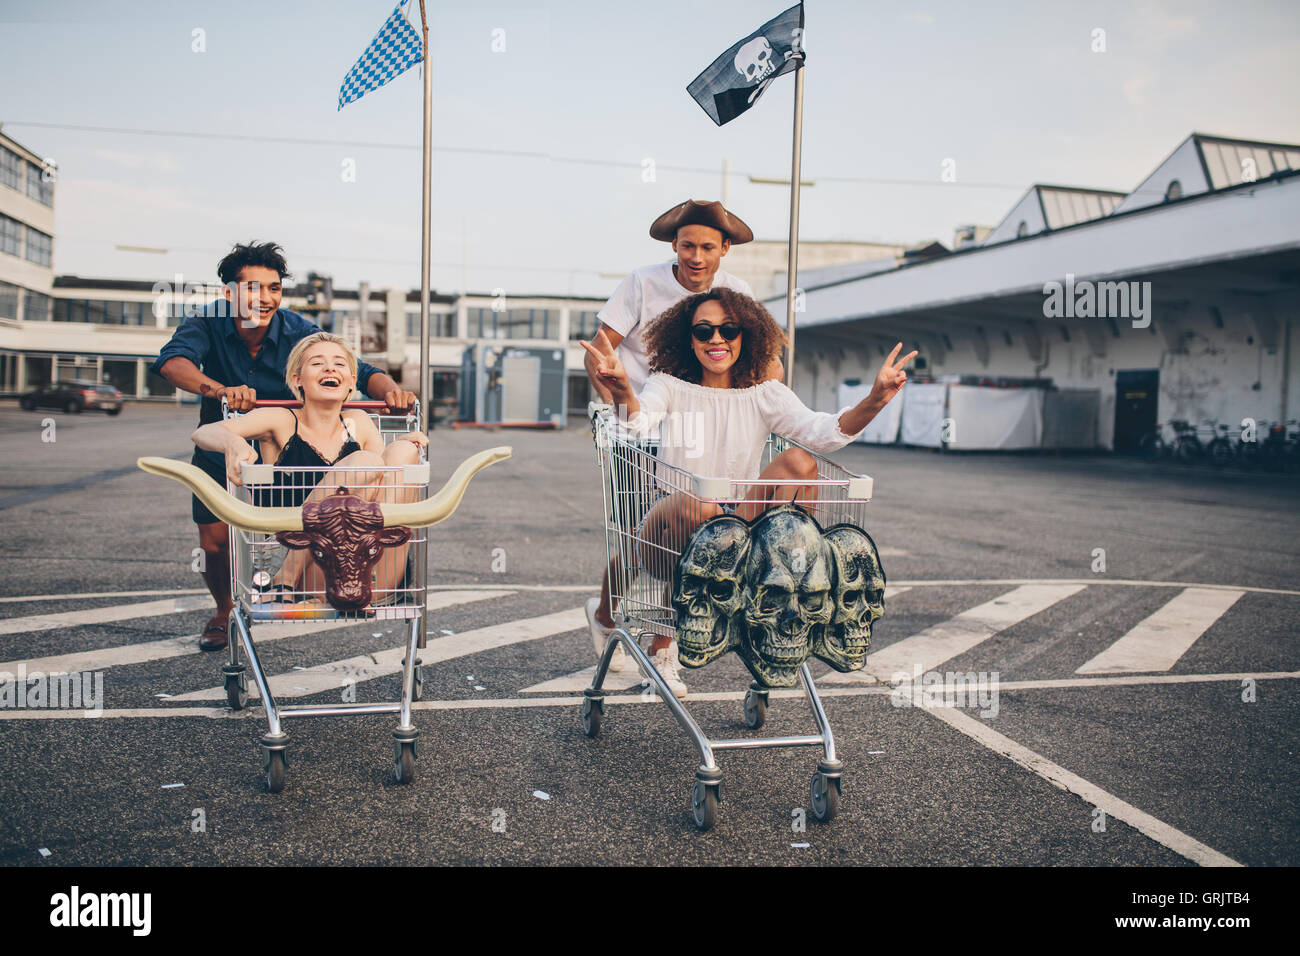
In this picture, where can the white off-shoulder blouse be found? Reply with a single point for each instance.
(720, 432)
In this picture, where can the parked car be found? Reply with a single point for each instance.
(76, 395)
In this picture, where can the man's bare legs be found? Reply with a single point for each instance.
(214, 539)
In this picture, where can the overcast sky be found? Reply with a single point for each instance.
(1012, 92)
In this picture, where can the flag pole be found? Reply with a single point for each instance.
(792, 259)
(426, 216)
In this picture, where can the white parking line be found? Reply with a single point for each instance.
(1158, 642)
(102, 615)
(86, 596)
(332, 676)
(508, 703)
(927, 650)
(1059, 777)
(106, 657)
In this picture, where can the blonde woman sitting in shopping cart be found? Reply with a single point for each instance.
(714, 415)
(322, 371)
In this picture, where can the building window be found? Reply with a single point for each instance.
(39, 247)
(36, 307)
(155, 386)
(1022, 230)
(442, 325)
(37, 186)
(11, 168)
(11, 236)
(583, 325)
(120, 373)
(8, 301)
(1175, 190)
(40, 369)
(483, 324)
(514, 323)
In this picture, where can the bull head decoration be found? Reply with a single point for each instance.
(359, 525)
(346, 534)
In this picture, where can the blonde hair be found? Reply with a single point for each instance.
(294, 365)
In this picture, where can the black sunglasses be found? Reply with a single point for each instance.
(704, 332)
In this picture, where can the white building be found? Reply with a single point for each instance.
(1175, 301)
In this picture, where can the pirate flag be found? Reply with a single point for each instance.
(734, 81)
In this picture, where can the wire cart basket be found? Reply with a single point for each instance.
(633, 480)
(270, 582)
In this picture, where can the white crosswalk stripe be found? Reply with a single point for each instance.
(1158, 642)
(927, 650)
(333, 675)
(1155, 645)
(106, 657)
(33, 623)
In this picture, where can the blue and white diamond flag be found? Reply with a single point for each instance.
(394, 50)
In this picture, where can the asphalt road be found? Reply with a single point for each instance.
(1190, 762)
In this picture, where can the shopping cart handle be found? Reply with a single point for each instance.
(369, 403)
(254, 473)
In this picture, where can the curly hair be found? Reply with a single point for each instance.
(668, 339)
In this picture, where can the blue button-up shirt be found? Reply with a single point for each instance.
(211, 341)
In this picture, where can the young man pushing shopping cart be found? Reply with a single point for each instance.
(237, 349)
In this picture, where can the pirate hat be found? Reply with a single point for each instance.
(695, 212)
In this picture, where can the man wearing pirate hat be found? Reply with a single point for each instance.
(701, 233)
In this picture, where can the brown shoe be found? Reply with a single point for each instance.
(215, 634)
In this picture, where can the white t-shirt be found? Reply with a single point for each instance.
(641, 298)
(720, 432)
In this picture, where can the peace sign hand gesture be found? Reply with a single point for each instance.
(608, 368)
(891, 377)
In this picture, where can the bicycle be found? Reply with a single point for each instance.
(1187, 446)
(1220, 450)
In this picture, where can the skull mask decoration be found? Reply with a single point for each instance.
(707, 590)
(787, 594)
(858, 598)
(755, 60)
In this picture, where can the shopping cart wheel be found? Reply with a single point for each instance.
(755, 708)
(404, 762)
(404, 753)
(704, 804)
(593, 709)
(825, 795)
(276, 765)
(236, 687)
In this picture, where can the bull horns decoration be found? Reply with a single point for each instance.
(239, 514)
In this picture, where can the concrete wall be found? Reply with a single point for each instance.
(1205, 372)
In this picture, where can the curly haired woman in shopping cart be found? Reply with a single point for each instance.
(322, 371)
(715, 413)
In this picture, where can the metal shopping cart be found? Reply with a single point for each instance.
(633, 480)
(258, 558)
(331, 544)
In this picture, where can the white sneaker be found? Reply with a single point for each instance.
(665, 662)
(600, 635)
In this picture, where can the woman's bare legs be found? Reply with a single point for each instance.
(667, 528)
(793, 464)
